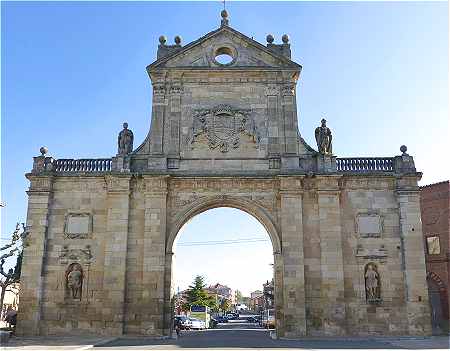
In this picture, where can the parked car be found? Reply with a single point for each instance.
(222, 319)
(252, 319)
(232, 315)
(184, 322)
(197, 324)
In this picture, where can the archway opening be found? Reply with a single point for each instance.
(230, 254)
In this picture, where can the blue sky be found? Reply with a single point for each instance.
(72, 72)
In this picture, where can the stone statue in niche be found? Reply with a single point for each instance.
(125, 141)
(372, 279)
(74, 281)
(324, 138)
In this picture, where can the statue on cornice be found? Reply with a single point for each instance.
(324, 138)
(125, 141)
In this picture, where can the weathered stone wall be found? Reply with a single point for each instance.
(320, 252)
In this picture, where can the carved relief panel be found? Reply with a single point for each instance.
(78, 225)
(222, 128)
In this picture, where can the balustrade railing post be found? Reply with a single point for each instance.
(365, 164)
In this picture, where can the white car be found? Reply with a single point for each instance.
(197, 324)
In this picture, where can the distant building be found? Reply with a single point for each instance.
(435, 203)
(11, 299)
(222, 292)
(256, 294)
(256, 301)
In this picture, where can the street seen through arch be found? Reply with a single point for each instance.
(223, 273)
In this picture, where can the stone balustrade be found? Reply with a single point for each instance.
(82, 165)
(365, 164)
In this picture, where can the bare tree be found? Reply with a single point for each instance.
(13, 249)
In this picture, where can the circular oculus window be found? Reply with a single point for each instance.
(224, 56)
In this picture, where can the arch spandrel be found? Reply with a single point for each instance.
(205, 203)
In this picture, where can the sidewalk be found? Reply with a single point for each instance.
(222, 340)
(55, 342)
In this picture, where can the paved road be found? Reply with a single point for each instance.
(235, 335)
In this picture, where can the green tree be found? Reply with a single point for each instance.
(197, 295)
(225, 305)
(13, 249)
(238, 296)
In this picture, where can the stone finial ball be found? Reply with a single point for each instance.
(224, 14)
(177, 40)
(403, 148)
(285, 38)
(43, 150)
(162, 39)
(270, 38)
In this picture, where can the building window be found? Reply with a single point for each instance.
(433, 245)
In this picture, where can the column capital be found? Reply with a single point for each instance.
(118, 183)
(328, 183)
(155, 185)
(291, 184)
(39, 183)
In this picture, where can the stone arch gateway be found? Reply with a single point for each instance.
(252, 209)
(224, 134)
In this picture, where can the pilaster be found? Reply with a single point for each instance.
(294, 315)
(417, 305)
(158, 112)
(154, 263)
(290, 128)
(174, 119)
(273, 127)
(114, 278)
(331, 260)
(32, 276)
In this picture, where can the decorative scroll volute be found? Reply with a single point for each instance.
(76, 254)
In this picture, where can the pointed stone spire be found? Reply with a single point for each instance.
(225, 20)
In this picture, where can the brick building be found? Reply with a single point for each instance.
(435, 203)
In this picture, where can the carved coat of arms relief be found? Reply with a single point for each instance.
(223, 126)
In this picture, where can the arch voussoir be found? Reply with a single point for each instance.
(215, 201)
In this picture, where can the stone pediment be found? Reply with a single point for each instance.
(245, 51)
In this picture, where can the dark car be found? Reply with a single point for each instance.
(252, 320)
(222, 319)
(183, 322)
